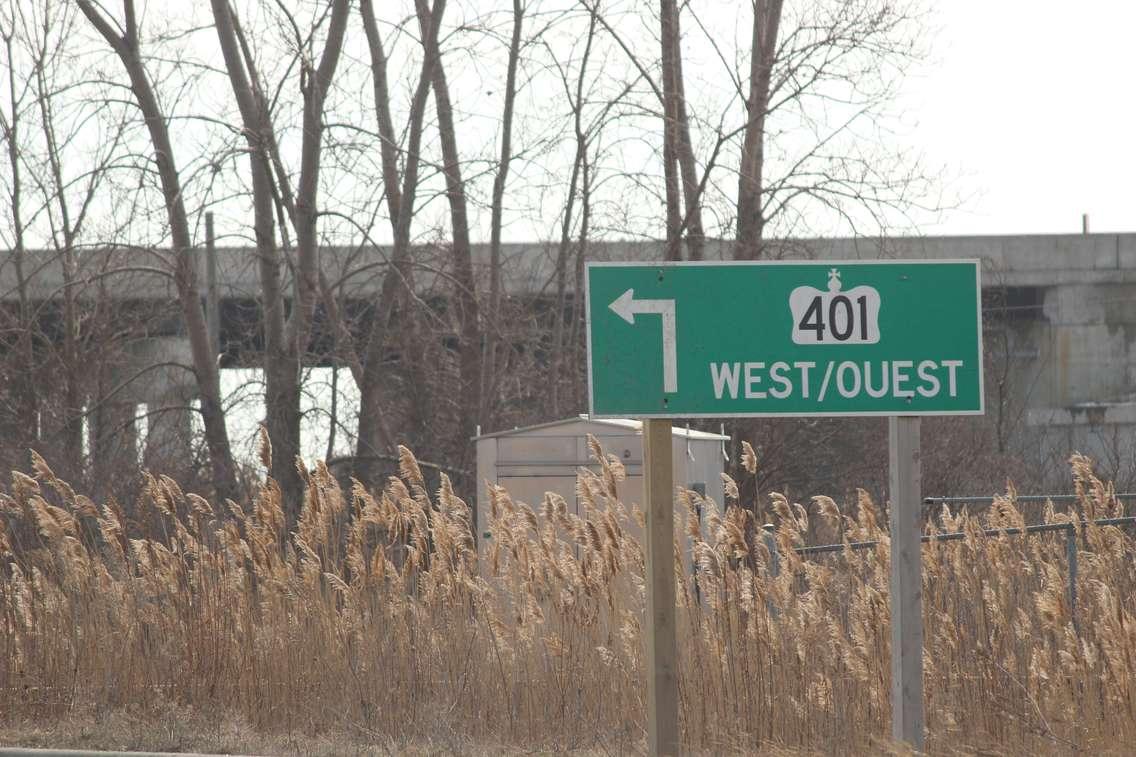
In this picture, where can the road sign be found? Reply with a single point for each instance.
(780, 338)
(896, 338)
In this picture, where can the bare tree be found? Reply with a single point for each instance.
(835, 68)
(497, 208)
(465, 288)
(60, 342)
(471, 332)
(286, 337)
(818, 74)
(68, 202)
(678, 152)
(763, 51)
(374, 439)
(22, 327)
(578, 177)
(124, 40)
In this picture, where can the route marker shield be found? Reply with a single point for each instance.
(784, 338)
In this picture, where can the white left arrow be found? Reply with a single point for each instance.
(626, 306)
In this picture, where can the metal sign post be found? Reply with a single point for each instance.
(906, 585)
(662, 643)
(892, 338)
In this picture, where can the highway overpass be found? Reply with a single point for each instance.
(1060, 309)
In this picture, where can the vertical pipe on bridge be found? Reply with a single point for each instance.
(212, 295)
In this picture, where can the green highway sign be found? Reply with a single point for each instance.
(773, 338)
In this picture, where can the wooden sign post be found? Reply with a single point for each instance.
(906, 586)
(662, 643)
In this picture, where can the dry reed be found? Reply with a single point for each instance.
(375, 616)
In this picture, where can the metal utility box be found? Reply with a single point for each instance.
(536, 459)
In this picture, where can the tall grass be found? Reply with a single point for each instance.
(375, 616)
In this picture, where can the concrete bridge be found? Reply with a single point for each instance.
(132, 273)
(1060, 310)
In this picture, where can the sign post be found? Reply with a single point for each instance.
(906, 585)
(662, 641)
(900, 339)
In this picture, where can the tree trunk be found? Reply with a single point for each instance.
(493, 319)
(556, 364)
(465, 294)
(579, 163)
(576, 343)
(285, 337)
(374, 439)
(281, 396)
(27, 397)
(668, 18)
(684, 149)
(751, 222)
(74, 373)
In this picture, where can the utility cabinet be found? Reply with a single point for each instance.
(536, 459)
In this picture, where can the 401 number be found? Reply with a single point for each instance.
(840, 321)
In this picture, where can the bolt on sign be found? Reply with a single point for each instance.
(780, 338)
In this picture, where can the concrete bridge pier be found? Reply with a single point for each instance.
(1079, 378)
(169, 440)
(113, 440)
(158, 375)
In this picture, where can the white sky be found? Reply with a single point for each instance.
(1028, 103)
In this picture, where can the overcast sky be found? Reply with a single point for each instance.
(1030, 104)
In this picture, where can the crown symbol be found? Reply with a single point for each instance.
(834, 279)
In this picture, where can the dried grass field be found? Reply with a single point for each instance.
(374, 621)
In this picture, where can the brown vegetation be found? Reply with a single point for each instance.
(376, 618)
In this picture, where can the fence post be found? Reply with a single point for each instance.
(773, 567)
(1071, 556)
(770, 540)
